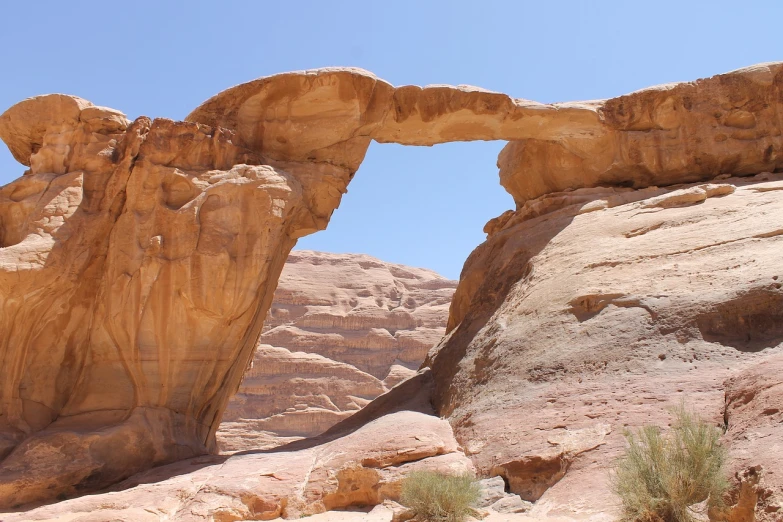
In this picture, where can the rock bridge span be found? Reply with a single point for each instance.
(138, 259)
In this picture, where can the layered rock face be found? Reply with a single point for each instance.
(137, 263)
(342, 329)
(138, 260)
(663, 135)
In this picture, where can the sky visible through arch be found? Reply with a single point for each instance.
(419, 206)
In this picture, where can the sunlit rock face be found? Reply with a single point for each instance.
(362, 468)
(342, 329)
(589, 312)
(663, 135)
(138, 261)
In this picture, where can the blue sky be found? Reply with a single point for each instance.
(420, 206)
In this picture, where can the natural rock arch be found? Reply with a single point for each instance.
(138, 259)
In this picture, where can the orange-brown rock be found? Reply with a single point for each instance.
(674, 133)
(138, 260)
(330, 115)
(592, 311)
(342, 329)
(663, 135)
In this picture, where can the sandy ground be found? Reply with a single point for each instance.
(383, 514)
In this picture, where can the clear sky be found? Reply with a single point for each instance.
(419, 206)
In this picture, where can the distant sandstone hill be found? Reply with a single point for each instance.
(343, 328)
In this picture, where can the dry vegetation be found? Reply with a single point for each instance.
(435, 497)
(662, 477)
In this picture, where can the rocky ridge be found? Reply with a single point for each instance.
(610, 291)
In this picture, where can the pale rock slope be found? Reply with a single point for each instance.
(361, 468)
(589, 312)
(359, 462)
(342, 329)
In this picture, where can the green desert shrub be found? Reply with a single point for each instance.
(436, 497)
(661, 477)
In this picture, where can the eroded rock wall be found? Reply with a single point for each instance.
(138, 260)
(342, 329)
(589, 312)
(137, 263)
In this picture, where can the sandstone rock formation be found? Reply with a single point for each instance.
(138, 260)
(361, 468)
(591, 311)
(754, 414)
(663, 135)
(136, 266)
(342, 329)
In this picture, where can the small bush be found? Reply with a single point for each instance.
(660, 477)
(436, 497)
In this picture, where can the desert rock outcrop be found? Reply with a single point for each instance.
(364, 467)
(137, 263)
(673, 133)
(138, 260)
(589, 312)
(342, 329)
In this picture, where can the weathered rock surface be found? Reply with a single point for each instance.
(138, 260)
(591, 311)
(342, 329)
(754, 415)
(668, 134)
(673, 133)
(495, 497)
(362, 468)
(331, 115)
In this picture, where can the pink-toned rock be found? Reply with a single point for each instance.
(592, 311)
(753, 415)
(342, 329)
(361, 468)
(286, 396)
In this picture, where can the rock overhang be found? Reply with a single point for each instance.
(660, 135)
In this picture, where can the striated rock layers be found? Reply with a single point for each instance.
(138, 260)
(342, 329)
